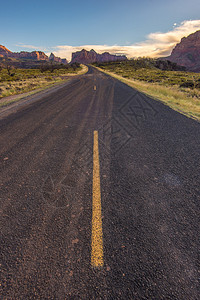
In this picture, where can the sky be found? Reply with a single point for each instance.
(131, 27)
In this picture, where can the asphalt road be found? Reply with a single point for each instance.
(150, 193)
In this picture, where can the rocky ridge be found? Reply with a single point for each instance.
(187, 52)
(4, 51)
(56, 59)
(87, 57)
(34, 55)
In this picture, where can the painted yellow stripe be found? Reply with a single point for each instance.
(97, 234)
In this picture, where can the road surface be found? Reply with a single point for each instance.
(146, 189)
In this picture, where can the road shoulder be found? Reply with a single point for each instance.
(176, 105)
(15, 102)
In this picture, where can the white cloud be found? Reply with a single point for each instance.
(36, 48)
(157, 44)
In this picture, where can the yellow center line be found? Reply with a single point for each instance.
(97, 234)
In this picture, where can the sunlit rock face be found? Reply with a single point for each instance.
(36, 55)
(87, 57)
(4, 51)
(55, 59)
(187, 52)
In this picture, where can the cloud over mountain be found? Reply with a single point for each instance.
(156, 45)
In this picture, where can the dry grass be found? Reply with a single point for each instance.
(18, 87)
(184, 100)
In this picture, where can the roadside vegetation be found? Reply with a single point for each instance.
(161, 80)
(14, 81)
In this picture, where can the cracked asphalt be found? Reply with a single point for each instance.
(150, 194)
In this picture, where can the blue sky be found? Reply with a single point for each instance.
(48, 25)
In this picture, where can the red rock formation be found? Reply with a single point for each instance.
(4, 51)
(26, 59)
(106, 56)
(56, 59)
(53, 58)
(187, 52)
(35, 55)
(83, 56)
(64, 61)
(87, 57)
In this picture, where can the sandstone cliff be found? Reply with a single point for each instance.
(4, 51)
(56, 59)
(64, 61)
(187, 52)
(35, 55)
(32, 56)
(53, 58)
(87, 57)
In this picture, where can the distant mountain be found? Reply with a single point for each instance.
(187, 52)
(87, 57)
(4, 51)
(34, 55)
(56, 59)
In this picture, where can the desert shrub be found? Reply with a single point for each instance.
(49, 78)
(197, 85)
(187, 84)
